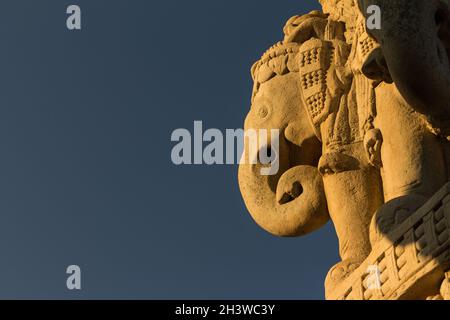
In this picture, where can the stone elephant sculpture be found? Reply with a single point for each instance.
(307, 88)
(324, 172)
(292, 201)
(364, 123)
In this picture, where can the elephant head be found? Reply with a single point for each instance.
(414, 52)
(291, 202)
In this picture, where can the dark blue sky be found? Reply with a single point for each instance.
(85, 170)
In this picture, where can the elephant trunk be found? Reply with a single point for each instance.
(288, 204)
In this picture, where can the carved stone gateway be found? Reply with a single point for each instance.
(364, 121)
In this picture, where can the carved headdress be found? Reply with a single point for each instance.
(283, 57)
(328, 49)
(345, 11)
(338, 7)
(314, 46)
(280, 59)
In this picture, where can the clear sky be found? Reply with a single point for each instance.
(85, 171)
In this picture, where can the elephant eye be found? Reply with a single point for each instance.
(262, 112)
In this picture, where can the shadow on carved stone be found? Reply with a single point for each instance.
(364, 142)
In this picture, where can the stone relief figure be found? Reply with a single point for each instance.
(363, 142)
(414, 152)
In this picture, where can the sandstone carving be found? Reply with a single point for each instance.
(364, 120)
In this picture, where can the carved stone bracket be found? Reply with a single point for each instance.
(413, 260)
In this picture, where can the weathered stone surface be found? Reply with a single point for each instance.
(364, 117)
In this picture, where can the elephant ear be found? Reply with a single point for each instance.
(314, 59)
(324, 78)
